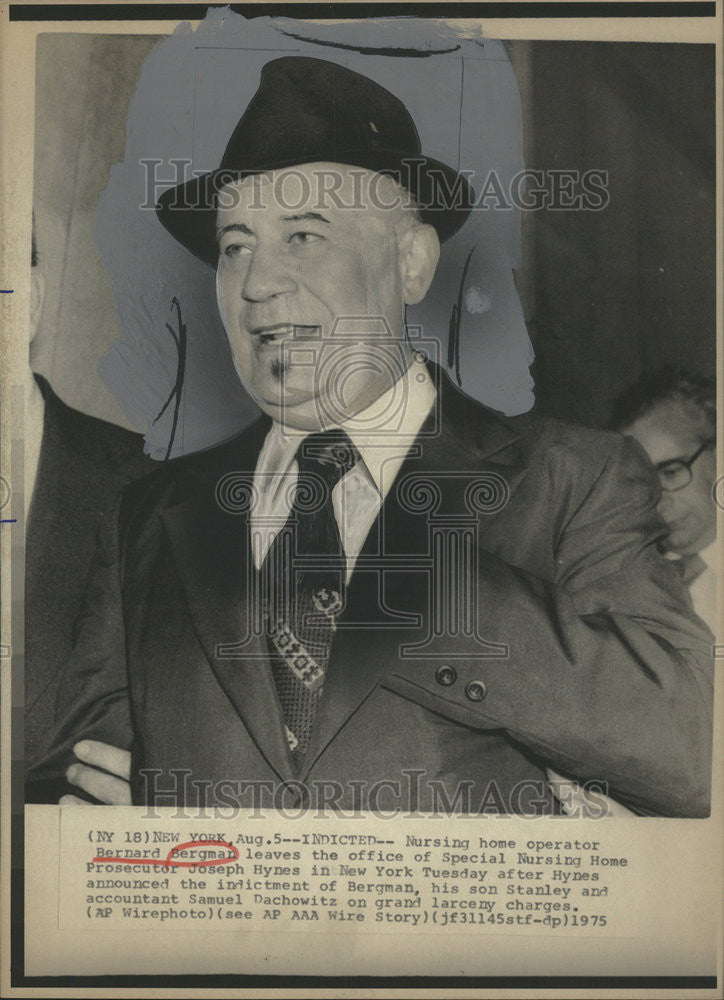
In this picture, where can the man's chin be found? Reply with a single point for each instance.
(297, 410)
(270, 393)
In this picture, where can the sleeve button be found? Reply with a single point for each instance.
(476, 691)
(446, 675)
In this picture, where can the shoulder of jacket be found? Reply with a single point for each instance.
(173, 481)
(549, 439)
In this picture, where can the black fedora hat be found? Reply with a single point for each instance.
(310, 110)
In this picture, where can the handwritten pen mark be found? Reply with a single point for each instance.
(371, 50)
(453, 344)
(170, 863)
(179, 339)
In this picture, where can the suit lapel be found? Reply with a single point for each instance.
(459, 443)
(460, 440)
(209, 537)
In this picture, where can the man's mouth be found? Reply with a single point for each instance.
(285, 331)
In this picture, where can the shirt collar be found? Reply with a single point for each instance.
(708, 555)
(382, 432)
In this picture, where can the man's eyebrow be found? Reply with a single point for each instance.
(306, 217)
(234, 227)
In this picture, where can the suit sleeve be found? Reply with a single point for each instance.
(607, 674)
(93, 691)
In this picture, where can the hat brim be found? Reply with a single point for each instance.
(188, 210)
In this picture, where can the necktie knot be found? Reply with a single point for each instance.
(329, 454)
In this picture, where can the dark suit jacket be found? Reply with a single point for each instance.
(84, 462)
(579, 649)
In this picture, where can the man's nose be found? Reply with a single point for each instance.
(666, 505)
(268, 275)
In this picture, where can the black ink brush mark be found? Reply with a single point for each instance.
(370, 50)
(453, 342)
(179, 339)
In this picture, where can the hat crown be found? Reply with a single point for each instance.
(308, 110)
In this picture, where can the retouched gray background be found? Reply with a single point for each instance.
(604, 294)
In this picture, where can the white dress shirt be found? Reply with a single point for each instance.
(703, 588)
(382, 433)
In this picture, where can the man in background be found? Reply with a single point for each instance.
(74, 466)
(672, 414)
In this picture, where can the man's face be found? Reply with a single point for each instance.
(310, 292)
(667, 432)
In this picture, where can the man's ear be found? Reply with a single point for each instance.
(419, 253)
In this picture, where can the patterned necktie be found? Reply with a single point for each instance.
(306, 570)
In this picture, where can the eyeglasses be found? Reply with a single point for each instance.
(676, 473)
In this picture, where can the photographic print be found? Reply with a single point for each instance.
(361, 433)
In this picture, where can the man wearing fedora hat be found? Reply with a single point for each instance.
(381, 595)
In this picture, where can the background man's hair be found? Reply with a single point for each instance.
(696, 393)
